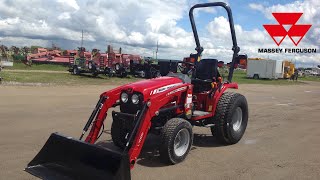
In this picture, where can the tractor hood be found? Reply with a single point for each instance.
(154, 86)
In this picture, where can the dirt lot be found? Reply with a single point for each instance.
(282, 140)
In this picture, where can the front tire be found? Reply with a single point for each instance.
(123, 74)
(90, 65)
(176, 141)
(256, 76)
(75, 70)
(119, 133)
(231, 118)
(117, 67)
(143, 74)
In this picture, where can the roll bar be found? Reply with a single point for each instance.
(235, 47)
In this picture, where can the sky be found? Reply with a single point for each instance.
(137, 26)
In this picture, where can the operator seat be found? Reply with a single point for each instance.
(206, 72)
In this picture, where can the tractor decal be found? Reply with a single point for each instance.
(164, 88)
(177, 90)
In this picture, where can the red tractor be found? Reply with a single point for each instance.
(167, 106)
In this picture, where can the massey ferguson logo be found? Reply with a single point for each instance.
(287, 27)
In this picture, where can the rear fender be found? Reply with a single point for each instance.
(155, 103)
(219, 93)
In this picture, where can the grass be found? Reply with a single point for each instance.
(240, 77)
(310, 78)
(61, 78)
(44, 67)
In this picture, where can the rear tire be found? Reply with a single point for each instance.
(176, 141)
(95, 74)
(231, 118)
(256, 76)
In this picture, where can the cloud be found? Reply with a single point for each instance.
(69, 3)
(256, 6)
(137, 26)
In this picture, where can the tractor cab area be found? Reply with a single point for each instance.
(206, 80)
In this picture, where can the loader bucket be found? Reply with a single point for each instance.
(63, 158)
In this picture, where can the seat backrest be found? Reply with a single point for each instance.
(207, 69)
(167, 66)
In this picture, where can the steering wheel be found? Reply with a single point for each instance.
(182, 69)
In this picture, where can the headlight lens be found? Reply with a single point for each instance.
(124, 97)
(135, 99)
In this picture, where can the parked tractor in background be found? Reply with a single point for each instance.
(166, 106)
(117, 66)
(111, 63)
(79, 64)
(145, 68)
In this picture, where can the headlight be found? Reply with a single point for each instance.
(124, 97)
(135, 99)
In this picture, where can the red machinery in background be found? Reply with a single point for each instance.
(110, 63)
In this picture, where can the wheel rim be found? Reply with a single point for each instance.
(143, 74)
(90, 66)
(181, 142)
(74, 71)
(237, 119)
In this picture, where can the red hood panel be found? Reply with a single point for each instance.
(154, 86)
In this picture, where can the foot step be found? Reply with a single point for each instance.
(200, 113)
(209, 125)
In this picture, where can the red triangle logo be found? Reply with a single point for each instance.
(278, 39)
(287, 26)
(296, 39)
(297, 32)
(277, 32)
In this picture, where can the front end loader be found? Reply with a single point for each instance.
(167, 106)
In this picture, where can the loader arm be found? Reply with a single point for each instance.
(111, 98)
